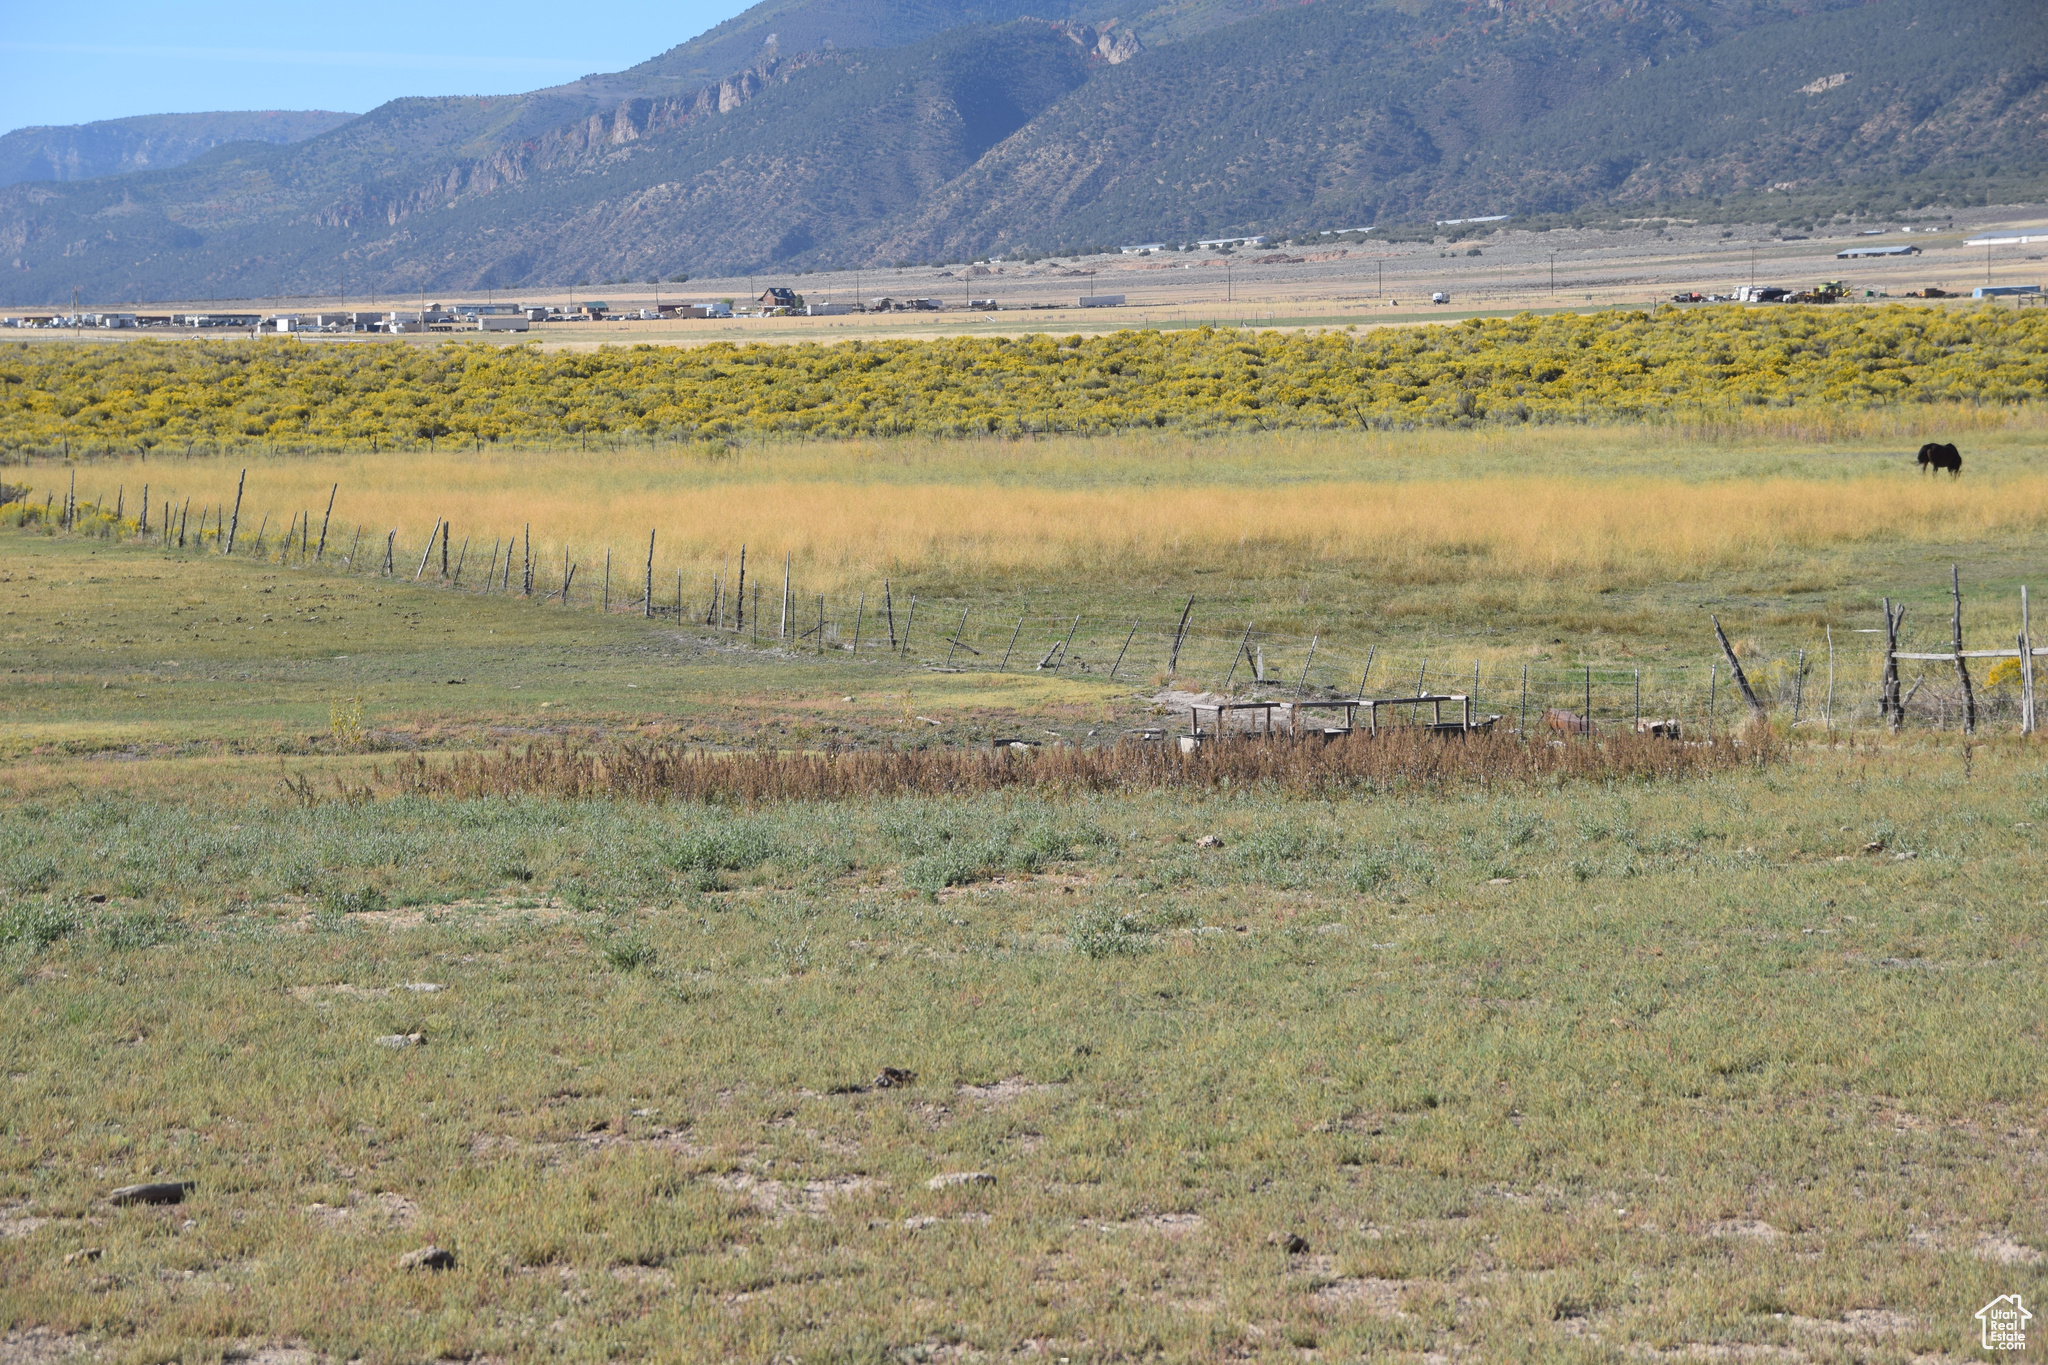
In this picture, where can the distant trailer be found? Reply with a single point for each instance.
(1859, 252)
(2004, 291)
(2026, 239)
(1102, 301)
(827, 310)
(503, 322)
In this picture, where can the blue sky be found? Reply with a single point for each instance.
(73, 63)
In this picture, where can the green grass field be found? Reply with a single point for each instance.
(1744, 1067)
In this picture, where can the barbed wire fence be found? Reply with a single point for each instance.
(1850, 677)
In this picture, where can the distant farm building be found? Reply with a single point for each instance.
(1859, 252)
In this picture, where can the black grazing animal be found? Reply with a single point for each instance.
(1936, 456)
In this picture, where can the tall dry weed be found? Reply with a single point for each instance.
(1358, 763)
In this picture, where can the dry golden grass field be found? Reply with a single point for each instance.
(1564, 1058)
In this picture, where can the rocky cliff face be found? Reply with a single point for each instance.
(86, 151)
(581, 144)
(1108, 41)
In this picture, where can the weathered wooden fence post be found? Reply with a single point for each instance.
(426, 553)
(1756, 708)
(1013, 644)
(2026, 666)
(319, 554)
(1127, 649)
(238, 511)
(1888, 703)
(1962, 665)
(1828, 714)
(1180, 634)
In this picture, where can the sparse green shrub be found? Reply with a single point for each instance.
(1287, 854)
(734, 847)
(1370, 873)
(36, 924)
(137, 929)
(29, 873)
(629, 952)
(1102, 932)
(353, 900)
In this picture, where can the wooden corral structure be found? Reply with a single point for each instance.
(1294, 714)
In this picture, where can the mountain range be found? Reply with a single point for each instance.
(812, 133)
(87, 151)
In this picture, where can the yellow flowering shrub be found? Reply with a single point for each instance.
(1566, 367)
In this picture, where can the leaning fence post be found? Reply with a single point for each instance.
(429, 550)
(1962, 665)
(1713, 691)
(1180, 633)
(958, 631)
(1232, 675)
(1756, 708)
(739, 594)
(1301, 688)
(238, 511)
(1799, 688)
(1013, 644)
(785, 595)
(858, 612)
(1133, 635)
(908, 618)
(1523, 724)
(322, 551)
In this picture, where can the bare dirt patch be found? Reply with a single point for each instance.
(1009, 1088)
(779, 1200)
(2000, 1249)
(1753, 1229)
(17, 1221)
(40, 1346)
(1379, 1297)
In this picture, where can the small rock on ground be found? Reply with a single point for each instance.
(1209, 841)
(892, 1076)
(427, 1258)
(953, 1178)
(153, 1192)
(1293, 1243)
(84, 1255)
(396, 1040)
